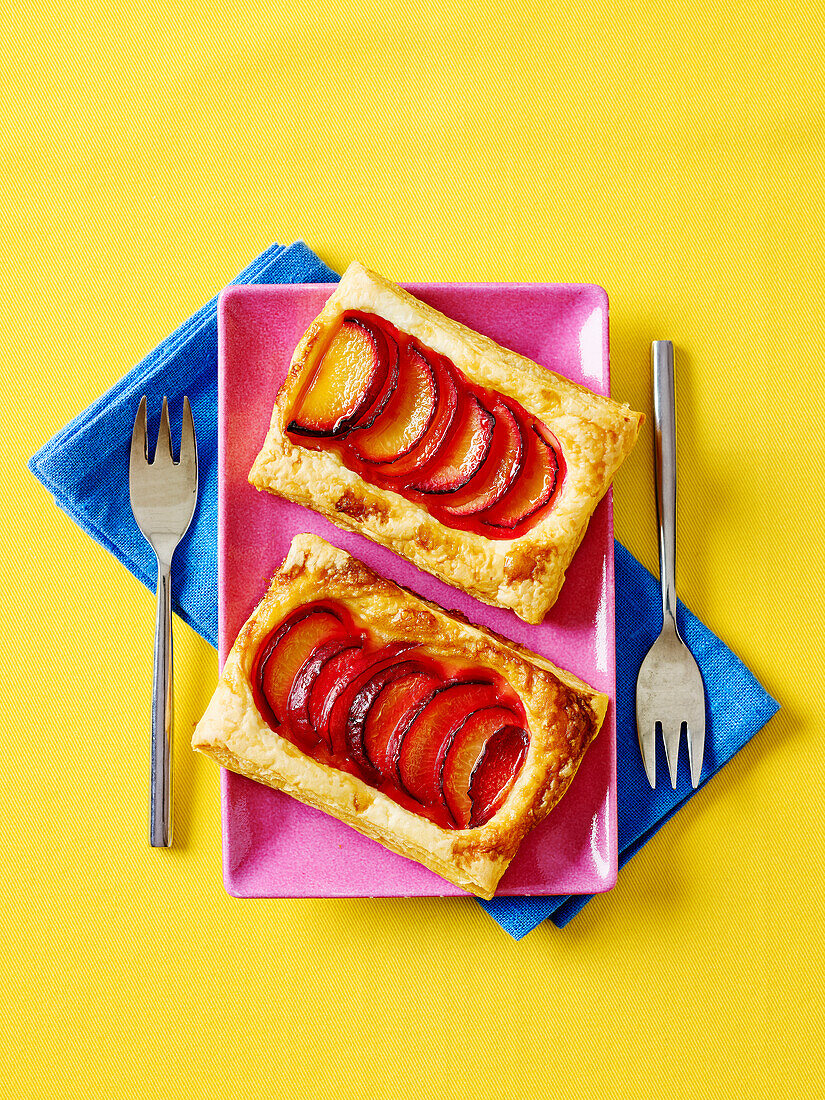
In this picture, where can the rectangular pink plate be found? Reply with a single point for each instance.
(277, 847)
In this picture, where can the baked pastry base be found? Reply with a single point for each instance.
(563, 716)
(526, 573)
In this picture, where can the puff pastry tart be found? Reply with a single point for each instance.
(469, 460)
(440, 740)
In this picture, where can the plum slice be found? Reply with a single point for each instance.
(347, 382)
(496, 771)
(368, 417)
(363, 700)
(536, 485)
(427, 449)
(333, 677)
(410, 410)
(463, 454)
(297, 703)
(370, 663)
(464, 754)
(499, 470)
(428, 738)
(390, 715)
(283, 654)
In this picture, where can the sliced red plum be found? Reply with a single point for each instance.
(463, 756)
(427, 450)
(499, 470)
(297, 704)
(428, 738)
(463, 454)
(390, 715)
(330, 682)
(495, 772)
(407, 415)
(281, 657)
(345, 384)
(371, 414)
(372, 662)
(537, 483)
(364, 699)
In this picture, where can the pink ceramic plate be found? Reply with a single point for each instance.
(277, 847)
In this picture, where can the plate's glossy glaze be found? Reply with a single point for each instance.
(277, 847)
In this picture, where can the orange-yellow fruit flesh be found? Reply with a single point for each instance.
(405, 419)
(532, 487)
(342, 380)
(290, 653)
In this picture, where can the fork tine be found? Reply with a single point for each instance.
(163, 449)
(647, 743)
(696, 749)
(138, 450)
(188, 444)
(671, 738)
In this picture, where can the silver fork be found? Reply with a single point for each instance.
(163, 494)
(669, 691)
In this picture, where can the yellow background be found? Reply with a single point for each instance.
(672, 152)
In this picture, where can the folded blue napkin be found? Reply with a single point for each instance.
(85, 467)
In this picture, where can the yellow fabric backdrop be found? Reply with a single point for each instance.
(669, 151)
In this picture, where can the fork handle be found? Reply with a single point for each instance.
(664, 412)
(160, 805)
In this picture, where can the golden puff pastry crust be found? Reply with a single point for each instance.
(563, 715)
(524, 573)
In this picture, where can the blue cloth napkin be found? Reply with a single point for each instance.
(85, 467)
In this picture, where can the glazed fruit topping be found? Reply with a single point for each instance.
(371, 662)
(464, 452)
(389, 717)
(331, 680)
(427, 449)
(279, 661)
(466, 756)
(351, 385)
(493, 775)
(362, 701)
(535, 484)
(445, 740)
(500, 470)
(406, 419)
(430, 734)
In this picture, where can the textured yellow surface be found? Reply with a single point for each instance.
(671, 152)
